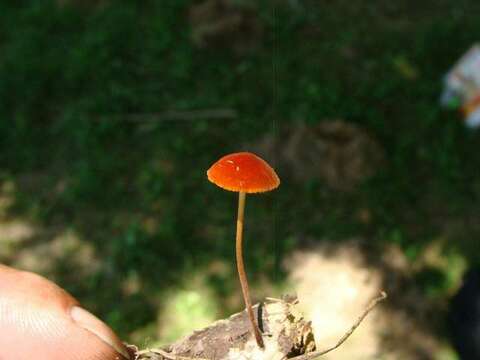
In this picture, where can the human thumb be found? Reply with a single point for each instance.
(39, 320)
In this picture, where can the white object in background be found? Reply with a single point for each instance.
(462, 87)
(464, 78)
(473, 119)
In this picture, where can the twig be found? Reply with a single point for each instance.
(315, 354)
(165, 355)
(176, 115)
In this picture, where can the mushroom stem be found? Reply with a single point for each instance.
(241, 269)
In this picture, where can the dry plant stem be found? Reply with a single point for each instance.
(315, 354)
(241, 268)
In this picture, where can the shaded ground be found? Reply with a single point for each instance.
(102, 164)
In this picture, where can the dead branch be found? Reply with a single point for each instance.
(237, 329)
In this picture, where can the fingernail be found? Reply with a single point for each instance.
(93, 324)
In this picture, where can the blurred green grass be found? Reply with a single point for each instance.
(71, 78)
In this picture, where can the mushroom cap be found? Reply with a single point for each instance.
(244, 172)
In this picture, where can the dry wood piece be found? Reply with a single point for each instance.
(286, 333)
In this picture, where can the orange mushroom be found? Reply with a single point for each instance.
(244, 173)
